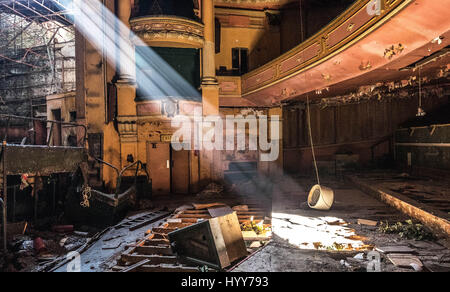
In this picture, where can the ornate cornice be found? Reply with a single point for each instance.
(169, 31)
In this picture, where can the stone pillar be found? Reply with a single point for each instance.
(126, 87)
(209, 166)
(210, 88)
(126, 54)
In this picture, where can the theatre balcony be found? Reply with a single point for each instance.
(168, 24)
(168, 31)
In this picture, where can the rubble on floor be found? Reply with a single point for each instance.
(423, 199)
(354, 219)
(213, 190)
(154, 252)
(32, 251)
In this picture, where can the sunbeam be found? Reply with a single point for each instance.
(117, 42)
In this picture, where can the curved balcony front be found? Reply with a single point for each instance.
(361, 47)
(168, 31)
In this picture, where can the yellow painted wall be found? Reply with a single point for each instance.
(263, 45)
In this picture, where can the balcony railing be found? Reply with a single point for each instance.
(354, 24)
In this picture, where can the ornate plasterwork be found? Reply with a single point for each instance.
(354, 24)
(169, 31)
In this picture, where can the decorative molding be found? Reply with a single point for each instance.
(152, 108)
(351, 26)
(229, 85)
(127, 127)
(170, 31)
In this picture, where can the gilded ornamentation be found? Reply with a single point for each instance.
(394, 50)
(169, 29)
(350, 27)
(337, 36)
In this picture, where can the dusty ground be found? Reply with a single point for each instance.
(305, 240)
(290, 251)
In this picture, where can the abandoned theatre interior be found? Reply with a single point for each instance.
(224, 135)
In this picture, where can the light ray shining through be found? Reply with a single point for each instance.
(112, 38)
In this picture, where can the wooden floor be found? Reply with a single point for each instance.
(153, 253)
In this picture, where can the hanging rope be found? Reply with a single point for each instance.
(311, 140)
(86, 196)
(420, 87)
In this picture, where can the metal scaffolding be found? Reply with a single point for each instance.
(34, 37)
(27, 24)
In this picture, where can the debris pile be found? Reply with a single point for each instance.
(156, 253)
(408, 230)
(213, 190)
(33, 250)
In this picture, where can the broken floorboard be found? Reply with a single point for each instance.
(143, 220)
(155, 248)
(431, 217)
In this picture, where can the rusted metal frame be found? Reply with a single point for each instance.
(17, 35)
(108, 164)
(23, 29)
(119, 179)
(51, 11)
(30, 8)
(9, 117)
(20, 62)
(28, 50)
(120, 173)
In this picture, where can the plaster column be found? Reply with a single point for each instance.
(126, 54)
(210, 168)
(210, 88)
(126, 87)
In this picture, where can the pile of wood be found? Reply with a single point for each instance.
(154, 253)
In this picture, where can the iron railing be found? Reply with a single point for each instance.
(138, 164)
(53, 123)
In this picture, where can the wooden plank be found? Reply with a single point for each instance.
(153, 259)
(154, 242)
(232, 235)
(202, 216)
(148, 221)
(405, 260)
(177, 225)
(163, 230)
(142, 220)
(153, 250)
(367, 222)
(135, 266)
(206, 206)
(394, 249)
(250, 211)
(219, 211)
